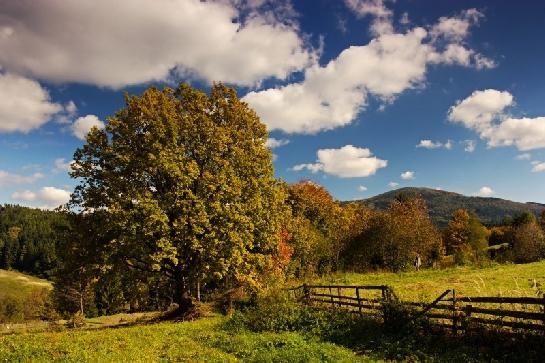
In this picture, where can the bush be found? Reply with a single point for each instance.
(77, 320)
(11, 310)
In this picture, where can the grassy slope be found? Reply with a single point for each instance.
(426, 285)
(19, 285)
(202, 340)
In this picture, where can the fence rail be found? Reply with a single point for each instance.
(460, 313)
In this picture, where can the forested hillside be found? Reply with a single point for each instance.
(28, 239)
(442, 204)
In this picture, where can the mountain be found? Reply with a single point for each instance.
(442, 204)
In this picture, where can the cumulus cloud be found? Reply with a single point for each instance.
(382, 16)
(485, 192)
(362, 188)
(61, 165)
(524, 156)
(429, 144)
(408, 175)
(456, 28)
(346, 162)
(332, 95)
(393, 185)
(10, 179)
(59, 40)
(538, 167)
(470, 145)
(82, 126)
(273, 143)
(484, 112)
(479, 109)
(45, 198)
(24, 104)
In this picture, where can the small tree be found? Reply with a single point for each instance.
(529, 242)
(465, 236)
(187, 183)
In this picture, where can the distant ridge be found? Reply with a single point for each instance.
(442, 204)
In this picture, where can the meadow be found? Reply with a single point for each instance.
(22, 297)
(143, 338)
(201, 340)
(426, 285)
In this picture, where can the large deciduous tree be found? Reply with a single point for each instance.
(188, 186)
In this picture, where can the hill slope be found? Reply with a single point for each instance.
(22, 297)
(442, 204)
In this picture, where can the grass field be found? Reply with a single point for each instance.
(426, 285)
(201, 340)
(22, 297)
(134, 338)
(16, 284)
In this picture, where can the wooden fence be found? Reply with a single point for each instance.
(448, 310)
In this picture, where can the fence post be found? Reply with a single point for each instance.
(454, 314)
(385, 305)
(306, 294)
(339, 296)
(359, 301)
(468, 310)
(543, 314)
(331, 297)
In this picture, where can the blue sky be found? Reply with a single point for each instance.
(362, 96)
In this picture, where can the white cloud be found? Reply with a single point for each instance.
(362, 188)
(24, 104)
(408, 175)
(429, 144)
(484, 112)
(456, 28)
(25, 195)
(45, 198)
(382, 16)
(524, 156)
(332, 95)
(273, 143)
(470, 145)
(314, 168)
(347, 162)
(524, 133)
(82, 126)
(479, 109)
(538, 167)
(393, 185)
(70, 110)
(62, 165)
(368, 7)
(482, 62)
(485, 192)
(137, 41)
(9, 179)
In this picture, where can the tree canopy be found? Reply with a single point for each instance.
(188, 186)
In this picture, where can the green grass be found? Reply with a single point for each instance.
(22, 297)
(426, 285)
(201, 340)
(18, 285)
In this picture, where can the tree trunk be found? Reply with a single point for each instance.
(182, 297)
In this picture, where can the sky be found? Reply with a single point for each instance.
(361, 96)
